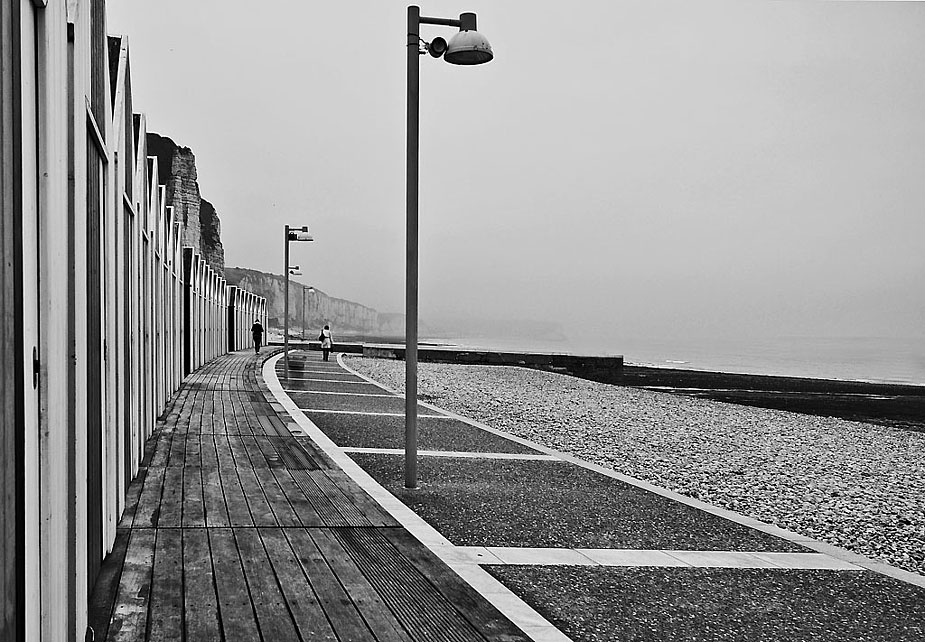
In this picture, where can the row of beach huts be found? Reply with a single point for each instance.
(104, 311)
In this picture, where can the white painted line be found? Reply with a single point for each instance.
(371, 414)
(720, 559)
(808, 561)
(343, 394)
(540, 556)
(514, 608)
(451, 453)
(630, 557)
(328, 380)
(637, 557)
(324, 372)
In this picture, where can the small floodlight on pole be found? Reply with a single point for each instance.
(292, 234)
(467, 47)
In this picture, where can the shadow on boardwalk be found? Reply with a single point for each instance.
(238, 529)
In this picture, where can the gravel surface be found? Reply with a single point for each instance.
(856, 485)
(720, 605)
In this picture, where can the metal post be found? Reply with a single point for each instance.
(286, 308)
(303, 316)
(411, 253)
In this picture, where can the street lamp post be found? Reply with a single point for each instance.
(467, 47)
(292, 234)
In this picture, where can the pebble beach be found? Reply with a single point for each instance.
(856, 485)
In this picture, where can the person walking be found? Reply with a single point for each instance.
(257, 331)
(327, 341)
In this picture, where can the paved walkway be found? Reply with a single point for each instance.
(239, 528)
(569, 550)
(272, 508)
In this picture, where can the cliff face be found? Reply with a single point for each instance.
(319, 308)
(347, 317)
(201, 227)
(210, 235)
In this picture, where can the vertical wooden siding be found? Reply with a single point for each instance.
(116, 327)
(11, 554)
(94, 313)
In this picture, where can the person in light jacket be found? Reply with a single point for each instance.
(327, 341)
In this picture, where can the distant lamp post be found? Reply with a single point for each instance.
(292, 234)
(467, 47)
(311, 290)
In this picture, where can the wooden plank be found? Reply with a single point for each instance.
(343, 615)
(293, 454)
(489, 621)
(375, 611)
(256, 501)
(266, 595)
(243, 416)
(177, 454)
(269, 451)
(191, 453)
(147, 513)
(193, 413)
(206, 416)
(238, 620)
(172, 498)
(323, 506)
(151, 445)
(279, 425)
(304, 605)
(279, 503)
(103, 599)
(213, 497)
(238, 511)
(132, 497)
(193, 502)
(166, 620)
(370, 508)
(161, 442)
(303, 508)
(420, 607)
(253, 452)
(130, 614)
(344, 504)
(200, 600)
(239, 452)
(266, 427)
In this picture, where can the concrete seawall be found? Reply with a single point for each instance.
(590, 367)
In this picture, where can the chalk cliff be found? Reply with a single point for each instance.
(319, 308)
(201, 227)
(348, 317)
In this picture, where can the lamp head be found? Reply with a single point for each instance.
(436, 47)
(468, 48)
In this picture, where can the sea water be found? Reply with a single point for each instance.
(877, 359)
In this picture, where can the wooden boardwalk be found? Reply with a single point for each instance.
(237, 528)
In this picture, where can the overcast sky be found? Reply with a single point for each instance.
(673, 168)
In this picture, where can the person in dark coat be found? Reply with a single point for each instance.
(257, 331)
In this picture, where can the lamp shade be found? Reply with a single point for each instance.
(468, 48)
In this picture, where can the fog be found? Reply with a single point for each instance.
(624, 168)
